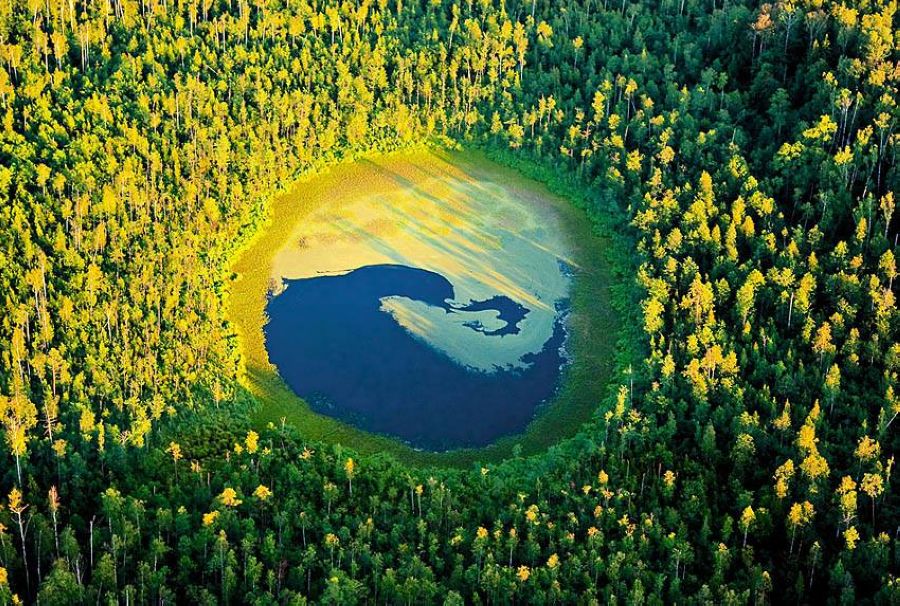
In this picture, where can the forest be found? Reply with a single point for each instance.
(743, 154)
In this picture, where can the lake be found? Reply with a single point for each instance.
(335, 344)
(421, 303)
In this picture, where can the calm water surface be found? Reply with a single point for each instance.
(335, 347)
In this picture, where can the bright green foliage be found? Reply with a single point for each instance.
(748, 151)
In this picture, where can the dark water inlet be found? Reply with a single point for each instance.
(335, 347)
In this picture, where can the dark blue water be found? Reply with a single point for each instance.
(334, 347)
(510, 312)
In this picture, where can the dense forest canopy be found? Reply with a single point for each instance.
(745, 152)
